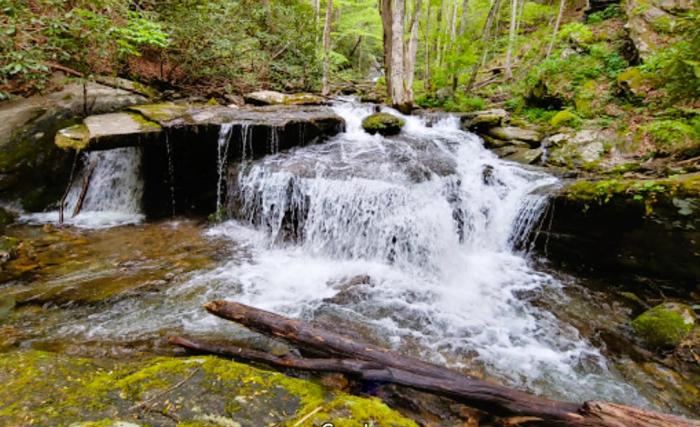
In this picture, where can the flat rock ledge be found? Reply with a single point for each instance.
(142, 124)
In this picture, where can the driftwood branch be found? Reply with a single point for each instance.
(84, 189)
(371, 363)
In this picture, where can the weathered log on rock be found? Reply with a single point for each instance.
(374, 363)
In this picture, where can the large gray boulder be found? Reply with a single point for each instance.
(270, 97)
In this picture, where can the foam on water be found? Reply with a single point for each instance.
(414, 236)
(113, 196)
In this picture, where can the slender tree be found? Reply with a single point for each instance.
(411, 51)
(327, 47)
(426, 59)
(562, 6)
(511, 39)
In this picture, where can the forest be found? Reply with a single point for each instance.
(347, 213)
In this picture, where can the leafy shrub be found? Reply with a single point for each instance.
(673, 133)
(612, 11)
(677, 67)
(576, 33)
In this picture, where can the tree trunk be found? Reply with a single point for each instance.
(327, 47)
(372, 363)
(486, 34)
(562, 6)
(411, 51)
(426, 65)
(387, 18)
(511, 38)
(398, 89)
(462, 30)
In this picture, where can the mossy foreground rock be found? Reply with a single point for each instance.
(383, 124)
(50, 389)
(665, 325)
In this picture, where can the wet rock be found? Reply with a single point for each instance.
(480, 120)
(192, 390)
(665, 325)
(8, 248)
(383, 124)
(106, 131)
(269, 97)
(649, 228)
(512, 133)
(526, 156)
(32, 169)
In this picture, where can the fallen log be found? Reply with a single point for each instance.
(373, 363)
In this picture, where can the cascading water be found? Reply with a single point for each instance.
(113, 195)
(222, 161)
(412, 238)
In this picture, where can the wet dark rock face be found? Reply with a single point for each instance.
(624, 237)
(188, 157)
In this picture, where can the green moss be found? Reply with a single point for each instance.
(382, 123)
(563, 117)
(75, 137)
(664, 325)
(55, 389)
(646, 192)
(160, 113)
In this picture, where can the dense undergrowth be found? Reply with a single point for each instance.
(205, 46)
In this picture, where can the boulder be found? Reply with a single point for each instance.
(270, 97)
(383, 124)
(650, 229)
(33, 170)
(526, 156)
(577, 149)
(653, 24)
(512, 133)
(479, 120)
(665, 325)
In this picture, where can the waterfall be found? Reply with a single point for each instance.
(171, 173)
(113, 196)
(222, 144)
(412, 240)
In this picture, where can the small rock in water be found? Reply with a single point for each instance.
(665, 325)
(383, 124)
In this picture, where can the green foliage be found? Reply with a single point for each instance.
(612, 11)
(677, 67)
(457, 102)
(564, 117)
(673, 133)
(218, 44)
(577, 33)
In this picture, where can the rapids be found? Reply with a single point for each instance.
(418, 242)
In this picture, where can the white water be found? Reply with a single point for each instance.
(426, 237)
(114, 194)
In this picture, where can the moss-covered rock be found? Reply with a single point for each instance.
(383, 124)
(51, 389)
(665, 325)
(563, 117)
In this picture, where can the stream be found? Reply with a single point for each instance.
(418, 242)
